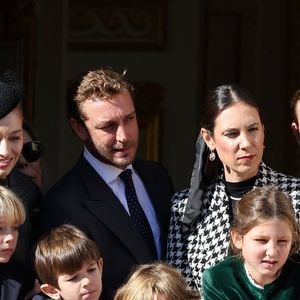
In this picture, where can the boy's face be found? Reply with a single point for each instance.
(85, 284)
(9, 233)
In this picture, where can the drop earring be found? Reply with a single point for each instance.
(212, 155)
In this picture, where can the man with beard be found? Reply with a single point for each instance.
(96, 197)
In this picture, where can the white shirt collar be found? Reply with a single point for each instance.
(109, 173)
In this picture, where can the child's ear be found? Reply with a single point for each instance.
(237, 239)
(50, 291)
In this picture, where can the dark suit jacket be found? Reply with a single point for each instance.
(83, 199)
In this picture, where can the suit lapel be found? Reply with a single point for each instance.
(105, 206)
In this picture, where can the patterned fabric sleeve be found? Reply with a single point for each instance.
(177, 252)
(208, 244)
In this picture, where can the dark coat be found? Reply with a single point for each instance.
(9, 290)
(83, 199)
(20, 266)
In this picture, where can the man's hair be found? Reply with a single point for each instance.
(95, 85)
(293, 104)
(156, 279)
(63, 250)
(11, 207)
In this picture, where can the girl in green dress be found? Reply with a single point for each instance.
(264, 236)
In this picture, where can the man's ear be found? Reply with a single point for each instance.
(78, 128)
(50, 291)
(208, 139)
(237, 239)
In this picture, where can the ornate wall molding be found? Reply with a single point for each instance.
(116, 25)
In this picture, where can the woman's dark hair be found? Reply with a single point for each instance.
(223, 97)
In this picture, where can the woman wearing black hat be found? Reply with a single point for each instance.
(11, 133)
(19, 267)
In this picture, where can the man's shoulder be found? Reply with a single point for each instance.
(74, 174)
(62, 203)
(142, 165)
(145, 163)
(153, 172)
(69, 183)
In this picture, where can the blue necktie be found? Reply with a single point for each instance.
(136, 212)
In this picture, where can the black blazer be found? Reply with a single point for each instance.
(83, 199)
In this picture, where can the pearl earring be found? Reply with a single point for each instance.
(212, 155)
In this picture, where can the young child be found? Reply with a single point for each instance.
(155, 281)
(12, 215)
(69, 265)
(264, 235)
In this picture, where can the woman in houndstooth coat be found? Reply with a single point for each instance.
(228, 164)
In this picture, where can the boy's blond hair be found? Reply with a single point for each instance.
(63, 250)
(157, 279)
(11, 207)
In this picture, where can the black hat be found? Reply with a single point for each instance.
(10, 93)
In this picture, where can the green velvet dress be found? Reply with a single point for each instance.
(228, 280)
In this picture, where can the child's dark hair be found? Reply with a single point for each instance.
(63, 250)
(261, 204)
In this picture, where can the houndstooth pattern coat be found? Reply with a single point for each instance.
(208, 243)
